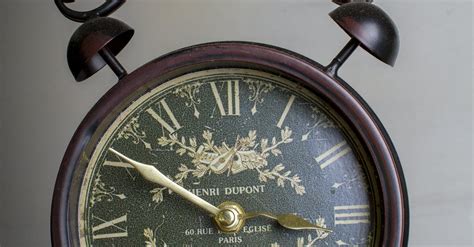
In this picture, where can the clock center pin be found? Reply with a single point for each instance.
(230, 218)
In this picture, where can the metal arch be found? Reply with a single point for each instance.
(341, 2)
(103, 10)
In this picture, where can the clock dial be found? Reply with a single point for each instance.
(237, 135)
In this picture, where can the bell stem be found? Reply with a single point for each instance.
(342, 56)
(113, 63)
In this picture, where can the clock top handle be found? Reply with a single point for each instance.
(103, 10)
(100, 38)
(96, 42)
(371, 26)
(341, 2)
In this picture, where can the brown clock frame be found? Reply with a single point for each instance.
(315, 77)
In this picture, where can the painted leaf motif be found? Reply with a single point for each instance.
(276, 151)
(157, 195)
(341, 243)
(181, 151)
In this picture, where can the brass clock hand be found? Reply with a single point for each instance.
(289, 221)
(229, 216)
(152, 174)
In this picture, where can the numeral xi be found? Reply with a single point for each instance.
(167, 126)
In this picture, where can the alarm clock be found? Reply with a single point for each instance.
(229, 144)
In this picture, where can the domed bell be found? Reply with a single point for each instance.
(372, 27)
(96, 41)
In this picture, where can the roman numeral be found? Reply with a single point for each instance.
(333, 154)
(285, 112)
(167, 126)
(233, 98)
(120, 164)
(117, 164)
(351, 214)
(113, 224)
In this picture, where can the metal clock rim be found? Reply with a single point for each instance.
(257, 56)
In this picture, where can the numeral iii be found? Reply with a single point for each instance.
(351, 214)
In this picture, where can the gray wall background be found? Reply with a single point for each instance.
(425, 102)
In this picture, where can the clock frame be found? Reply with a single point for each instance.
(266, 58)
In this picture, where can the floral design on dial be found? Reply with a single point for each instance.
(100, 192)
(352, 242)
(189, 92)
(350, 181)
(150, 238)
(320, 120)
(132, 131)
(209, 158)
(257, 89)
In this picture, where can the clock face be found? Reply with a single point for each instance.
(237, 135)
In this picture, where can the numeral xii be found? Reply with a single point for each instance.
(232, 95)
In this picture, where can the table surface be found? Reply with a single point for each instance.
(425, 102)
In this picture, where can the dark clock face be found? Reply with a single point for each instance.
(235, 135)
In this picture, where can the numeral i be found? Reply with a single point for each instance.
(285, 111)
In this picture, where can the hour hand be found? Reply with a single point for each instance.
(152, 174)
(289, 221)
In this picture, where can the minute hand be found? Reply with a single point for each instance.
(152, 174)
